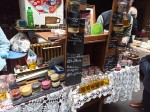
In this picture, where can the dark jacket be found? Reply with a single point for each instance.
(145, 67)
(134, 27)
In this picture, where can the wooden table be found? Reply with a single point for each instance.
(142, 52)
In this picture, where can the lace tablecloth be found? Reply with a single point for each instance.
(77, 100)
(125, 82)
(54, 102)
(122, 84)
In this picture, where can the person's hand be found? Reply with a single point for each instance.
(4, 55)
(124, 40)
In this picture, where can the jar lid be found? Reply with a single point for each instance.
(36, 85)
(84, 11)
(40, 79)
(121, 44)
(118, 25)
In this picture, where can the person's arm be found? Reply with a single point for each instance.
(4, 44)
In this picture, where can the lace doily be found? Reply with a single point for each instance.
(125, 82)
(54, 102)
(77, 100)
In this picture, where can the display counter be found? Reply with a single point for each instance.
(142, 51)
(122, 85)
(87, 38)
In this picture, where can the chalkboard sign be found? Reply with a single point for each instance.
(74, 58)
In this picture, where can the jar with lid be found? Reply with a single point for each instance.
(85, 14)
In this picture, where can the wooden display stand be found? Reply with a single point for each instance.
(97, 47)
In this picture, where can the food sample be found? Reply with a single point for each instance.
(56, 84)
(15, 94)
(17, 67)
(55, 77)
(13, 86)
(50, 72)
(36, 87)
(40, 79)
(26, 91)
(62, 77)
(46, 84)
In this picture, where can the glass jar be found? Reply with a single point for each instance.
(74, 7)
(85, 14)
(82, 25)
(11, 79)
(73, 29)
(36, 87)
(122, 7)
(118, 27)
(3, 90)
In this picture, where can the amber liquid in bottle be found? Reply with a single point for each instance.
(106, 81)
(3, 95)
(32, 65)
(125, 21)
(97, 83)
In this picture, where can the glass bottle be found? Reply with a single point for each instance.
(3, 90)
(125, 21)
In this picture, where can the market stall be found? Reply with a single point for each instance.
(73, 65)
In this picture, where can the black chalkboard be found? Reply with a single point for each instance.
(74, 58)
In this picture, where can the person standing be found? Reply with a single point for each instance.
(133, 12)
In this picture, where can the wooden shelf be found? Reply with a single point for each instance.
(39, 29)
(95, 38)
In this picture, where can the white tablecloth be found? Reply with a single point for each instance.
(125, 82)
(142, 52)
(122, 84)
(77, 100)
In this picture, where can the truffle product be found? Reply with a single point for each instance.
(3, 77)
(117, 68)
(118, 27)
(74, 7)
(26, 91)
(11, 79)
(50, 72)
(55, 77)
(25, 67)
(40, 79)
(3, 90)
(72, 14)
(72, 29)
(17, 67)
(36, 87)
(15, 94)
(13, 86)
(62, 77)
(46, 84)
(73, 22)
(56, 84)
(21, 69)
